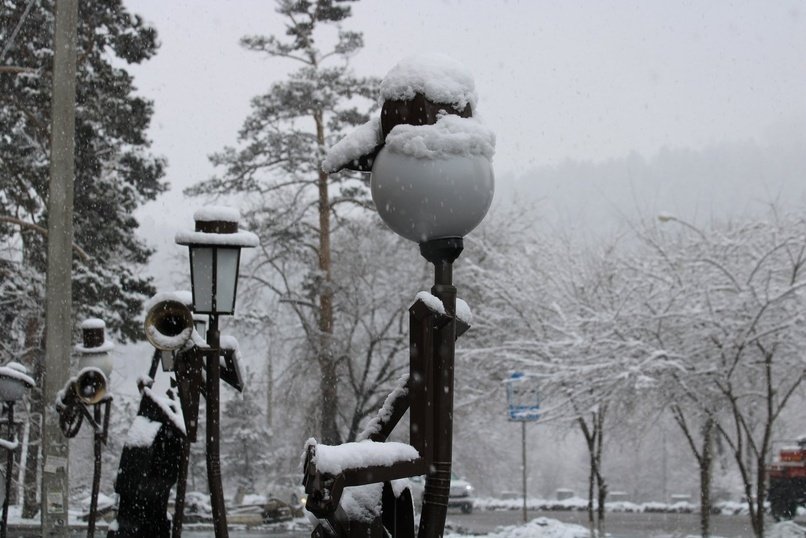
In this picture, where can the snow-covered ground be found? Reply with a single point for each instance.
(541, 527)
(578, 503)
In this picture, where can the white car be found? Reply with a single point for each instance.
(461, 494)
(289, 489)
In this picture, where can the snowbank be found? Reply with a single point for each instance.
(786, 529)
(541, 527)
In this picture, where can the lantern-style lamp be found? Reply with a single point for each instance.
(14, 381)
(215, 250)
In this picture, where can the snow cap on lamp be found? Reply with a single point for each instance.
(431, 160)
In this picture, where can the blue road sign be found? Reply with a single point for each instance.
(523, 399)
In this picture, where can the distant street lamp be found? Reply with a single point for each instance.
(215, 250)
(667, 217)
(14, 382)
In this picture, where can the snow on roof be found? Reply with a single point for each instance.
(451, 135)
(242, 239)
(217, 213)
(93, 323)
(359, 142)
(182, 296)
(431, 301)
(170, 407)
(334, 459)
(142, 432)
(437, 76)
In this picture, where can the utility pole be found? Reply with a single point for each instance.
(58, 301)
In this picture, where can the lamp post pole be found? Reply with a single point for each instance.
(9, 466)
(213, 430)
(215, 246)
(442, 253)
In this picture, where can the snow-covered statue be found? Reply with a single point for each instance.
(432, 183)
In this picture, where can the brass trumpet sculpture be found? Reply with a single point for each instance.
(169, 325)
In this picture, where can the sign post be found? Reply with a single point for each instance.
(523, 402)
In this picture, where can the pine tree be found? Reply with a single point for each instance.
(245, 440)
(114, 175)
(277, 166)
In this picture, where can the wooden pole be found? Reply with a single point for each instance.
(58, 322)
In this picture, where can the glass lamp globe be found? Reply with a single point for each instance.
(423, 199)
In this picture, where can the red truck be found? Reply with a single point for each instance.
(787, 481)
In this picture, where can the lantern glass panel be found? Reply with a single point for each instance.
(226, 278)
(201, 267)
(201, 327)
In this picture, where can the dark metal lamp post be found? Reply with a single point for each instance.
(432, 183)
(215, 251)
(14, 381)
(442, 202)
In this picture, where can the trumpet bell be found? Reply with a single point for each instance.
(90, 387)
(169, 325)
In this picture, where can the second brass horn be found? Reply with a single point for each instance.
(90, 387)
(169, 325)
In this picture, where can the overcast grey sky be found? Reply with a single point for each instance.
(582, 80)
(610, 84)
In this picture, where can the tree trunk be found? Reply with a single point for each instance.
(590, 441)
(328, 383)
(706, 462)
(32, 359)
(761, 494)
(591, 489)
(600, 481)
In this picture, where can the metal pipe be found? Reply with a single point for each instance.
(96, 475)
(213, 433)
(9, 467)
(523, 467)
(181, 488)
(438, 479)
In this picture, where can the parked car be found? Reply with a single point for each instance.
(461, 493)
(287, 488)
(197, 508)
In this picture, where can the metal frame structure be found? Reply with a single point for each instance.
(429, 399)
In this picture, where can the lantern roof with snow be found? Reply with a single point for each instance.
(93, 337)
(217, 226)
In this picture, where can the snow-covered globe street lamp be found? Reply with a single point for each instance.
(432, 183)
(14, 383)
(215, 251)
